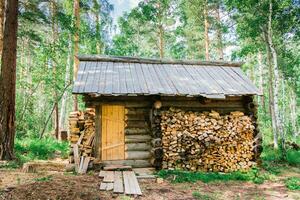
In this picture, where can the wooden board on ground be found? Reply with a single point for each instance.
(118, 182)
(109, 186)
(102, 174)
(85, 165)
(108, 177)
(131, 184)
(117, 167)
(76, 156)
(103, 186)
(81, 164)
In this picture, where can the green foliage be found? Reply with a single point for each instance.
(32, 149)
(178, 176)
(44, 179)
(293, 157)
(198, 195)
(293, 183)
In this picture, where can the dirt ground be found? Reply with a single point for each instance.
(16, 185)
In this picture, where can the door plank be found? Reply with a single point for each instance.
(113, 142)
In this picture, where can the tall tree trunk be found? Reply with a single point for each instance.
(8, 81)
(271, 96)
(97, 11)
(276, 77)
(219, 32)
(54, 40)
(161, 41)
(76, 48)
(261, 99)
(206, 27)
(65, 94)
(293, 108)
(2, 11)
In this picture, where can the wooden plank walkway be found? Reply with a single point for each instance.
(121, 182)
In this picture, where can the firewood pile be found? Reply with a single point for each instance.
(206, 141)
(81, 137)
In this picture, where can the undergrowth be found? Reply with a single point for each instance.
(179, 176)
(28, 149)
(293, 183)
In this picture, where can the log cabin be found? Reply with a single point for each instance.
(140, 103)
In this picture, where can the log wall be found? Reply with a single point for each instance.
(143, 145)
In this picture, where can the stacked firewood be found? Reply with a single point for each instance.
(207, 141)
(81, 135)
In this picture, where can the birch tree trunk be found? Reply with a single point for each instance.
(261, 99)
(271, 96)
(276, 77)
(97, 10)
(76, 48)
(8, 81)
(293, 109)
(206, 27)
(219, 32)
(161, 41)
(65, 94)
(54, 39)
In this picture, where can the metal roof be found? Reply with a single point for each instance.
(123, 76)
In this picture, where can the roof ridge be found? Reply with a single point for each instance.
(127, 59)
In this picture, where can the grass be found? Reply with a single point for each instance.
(198, 195)
(28, 149)
(44, 179)
(293, 183)
(179, 176)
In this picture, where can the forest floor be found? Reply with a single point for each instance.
(17, 185)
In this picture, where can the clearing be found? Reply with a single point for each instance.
(17, 185)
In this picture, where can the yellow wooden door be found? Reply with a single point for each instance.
(113, 132)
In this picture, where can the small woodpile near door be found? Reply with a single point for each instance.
(82, 134)
(207, 141)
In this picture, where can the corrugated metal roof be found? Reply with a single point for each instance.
(127, 77)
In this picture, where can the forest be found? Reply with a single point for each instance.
(40, 41)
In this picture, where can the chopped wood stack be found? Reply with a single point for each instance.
(81, 136)
(207, 141)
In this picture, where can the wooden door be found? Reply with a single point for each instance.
(113, 132)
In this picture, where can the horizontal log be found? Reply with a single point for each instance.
(136, 124)
(198, 104)
(133, 163)
(136, 117)
(137, 155)
(157, 61)
(137, 138)
(137, 111)
(137, 147)
(136, 131)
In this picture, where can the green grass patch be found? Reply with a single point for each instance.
(179, 176)
(293, 183)
(198, 195)
(28, 149)
(293, 157)
(44, 179)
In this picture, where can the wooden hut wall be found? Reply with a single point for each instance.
(142, 145)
